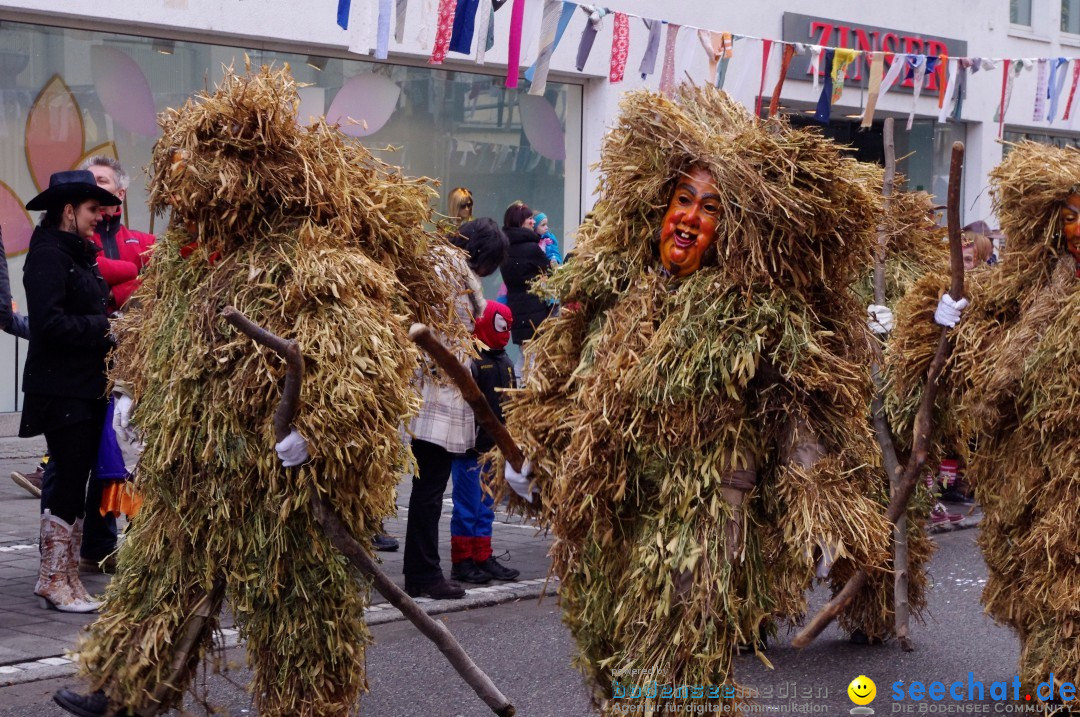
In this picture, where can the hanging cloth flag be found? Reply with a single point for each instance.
(483, 31)
(1006, 86)
(717, 47)
(1041, 84)
(729, 52)
(588, 35)
(877, 70)
(667, 74)
(898, 64)
(1057, 84)
(841, 59)
(399, 17)
(648, 60)
(945, 97)
(382, 38)
(917, 73)
(1072, 91)
(464, 25)
(620, 47)
(815, 63)
(824, 103)
(940, 69)
(513, 60)
(443, 31)
(766, 46)
(557, 15)
(785, 62)
(343, 8)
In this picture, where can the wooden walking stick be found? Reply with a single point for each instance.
(882, 429)
(343, 540)
(425, 338)
(923, 419)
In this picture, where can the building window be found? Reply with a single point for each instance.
(1013, 136)
(1070, 16)
(97, 93)
(1020, 12)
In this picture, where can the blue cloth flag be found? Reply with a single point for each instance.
(343, 13)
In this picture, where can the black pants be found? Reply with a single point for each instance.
(433, 464)
(99, 533)
(73, 449)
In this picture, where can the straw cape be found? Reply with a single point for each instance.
(1011, 401)
(315, 240)
(648, 393)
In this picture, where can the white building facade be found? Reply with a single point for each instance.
(84, 77)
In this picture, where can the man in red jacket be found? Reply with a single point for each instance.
(123, 251)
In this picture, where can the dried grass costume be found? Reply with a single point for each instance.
(1011, 401)
(695, 439)
(315, 240)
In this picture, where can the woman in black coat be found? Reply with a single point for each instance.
(524, 262)
(64, 377)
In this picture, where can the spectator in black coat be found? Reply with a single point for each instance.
(524, 263)
(64, 378)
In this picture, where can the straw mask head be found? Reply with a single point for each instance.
(688, 230)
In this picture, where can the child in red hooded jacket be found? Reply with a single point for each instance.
(470, 524)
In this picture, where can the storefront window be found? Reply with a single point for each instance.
(1058, 140)
(66, 94)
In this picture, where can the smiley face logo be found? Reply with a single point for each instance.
(862, 690)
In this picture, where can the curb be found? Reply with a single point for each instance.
(48, 668)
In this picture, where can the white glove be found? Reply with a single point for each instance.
(520, 481)
(948, 311)
(881, 318)
(121, 417)
(292, 449)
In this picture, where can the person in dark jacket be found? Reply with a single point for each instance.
(64, 376)
(524, 263)
(470, 523)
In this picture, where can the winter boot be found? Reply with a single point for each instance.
(72, 568)
(52, 585)
(95, 704)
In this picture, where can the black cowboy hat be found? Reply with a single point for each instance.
(72, 187)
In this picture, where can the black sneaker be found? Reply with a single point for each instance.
(467, 571)
(95, 704)
(492, 567)
(384, 543)
(441, 589)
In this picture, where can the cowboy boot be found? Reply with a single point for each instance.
(72, 567)
(52, 583)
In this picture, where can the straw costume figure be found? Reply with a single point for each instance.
(315, 240)
(1010, 402)
(695, 417)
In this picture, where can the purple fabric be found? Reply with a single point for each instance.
(110, 461)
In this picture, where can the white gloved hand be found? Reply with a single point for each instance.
(827, 559)
(881, 318)
(948, 311)
(292, 449)
(520, 481)
(121, 417)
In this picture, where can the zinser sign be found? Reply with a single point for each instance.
(837, 33)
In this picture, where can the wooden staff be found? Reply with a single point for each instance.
(342, 539)
(425, 338)
(923, 419)
(882, 429)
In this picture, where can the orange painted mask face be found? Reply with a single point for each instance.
(1070, 217)
(689, 226)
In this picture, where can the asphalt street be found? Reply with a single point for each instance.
(526, 650)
